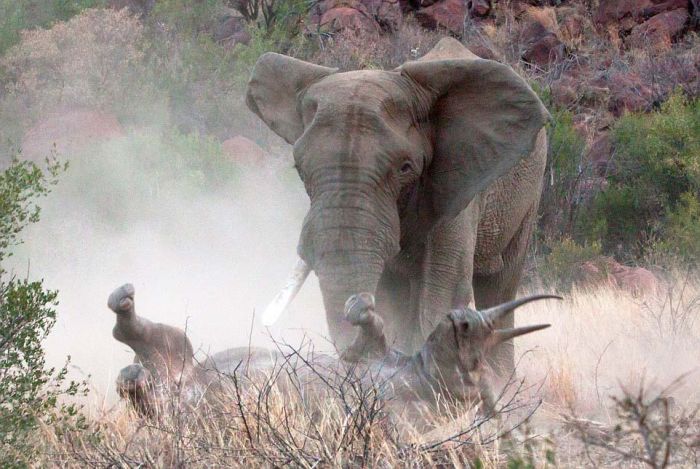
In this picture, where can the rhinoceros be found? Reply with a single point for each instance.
(450, 366)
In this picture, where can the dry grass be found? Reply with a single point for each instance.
(602, 373)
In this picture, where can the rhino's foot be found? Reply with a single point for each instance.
(122, 299)
(359, 309)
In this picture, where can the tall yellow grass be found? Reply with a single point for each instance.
(601, 343)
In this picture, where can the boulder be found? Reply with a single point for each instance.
(447, 14)
(344, 18)
(636, 280)
(356, 15)
(606, 271)
(623, 13)
(232, 30)
(541, 46)
(387, 13)
(482, 50)
(628, 93)
(661, 7)
(243, 151)
(479, 8)
(659, 31)
(67, 131)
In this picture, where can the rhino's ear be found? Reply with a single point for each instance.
(274, 88)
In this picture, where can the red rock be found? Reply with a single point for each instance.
(482, 50)
(660, 30)
(542, 47)
(628, 93)
(595, 273)
(606, 271)
(448, 14)
(243, 151)
(636, 280)
(615, 11)
(356, 15)
(479, 8)
(387, 13)
(67, 131)
(664, 6)
(344, 18)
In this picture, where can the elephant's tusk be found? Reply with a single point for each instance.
(291, 287)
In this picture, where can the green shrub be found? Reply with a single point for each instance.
(561, 267)
(187, 17)
(682, 232)
(29, 391)
(561, 192)
(657, 172)
(18, 15)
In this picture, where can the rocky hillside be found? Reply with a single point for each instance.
(621, 78)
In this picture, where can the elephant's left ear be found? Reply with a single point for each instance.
(485, 119)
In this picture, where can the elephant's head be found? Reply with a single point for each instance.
(381, 151)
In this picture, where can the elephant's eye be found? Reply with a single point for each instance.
(406, 168)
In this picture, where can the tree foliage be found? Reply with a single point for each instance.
(29, 390)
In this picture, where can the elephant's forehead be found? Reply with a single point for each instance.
(370, 89)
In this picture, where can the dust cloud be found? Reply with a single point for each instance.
(204, 260)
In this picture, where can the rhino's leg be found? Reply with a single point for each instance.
(165, 351)
(135, 384)
(370, 342)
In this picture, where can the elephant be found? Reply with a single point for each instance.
(424, 183)
(449, 367)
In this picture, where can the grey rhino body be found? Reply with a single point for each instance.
(450, 366)
(424, 182)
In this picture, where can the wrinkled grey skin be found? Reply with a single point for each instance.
(423, 181)
(449, 367)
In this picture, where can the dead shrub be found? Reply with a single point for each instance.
(350, 51)
(304, 412)
(646, 429)
(92, 60)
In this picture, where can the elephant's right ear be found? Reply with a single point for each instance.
(274, 87)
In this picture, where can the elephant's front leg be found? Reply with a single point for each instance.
(447, 270)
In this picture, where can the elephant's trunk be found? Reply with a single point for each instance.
(340, 283)
(347, 245)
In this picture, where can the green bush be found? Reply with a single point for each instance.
(682, 232)
(187, 17)
(18, 15)
(560, 195)
(29, 391)
(656, 174)
(560, 268)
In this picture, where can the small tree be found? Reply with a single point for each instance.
(29, 391)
